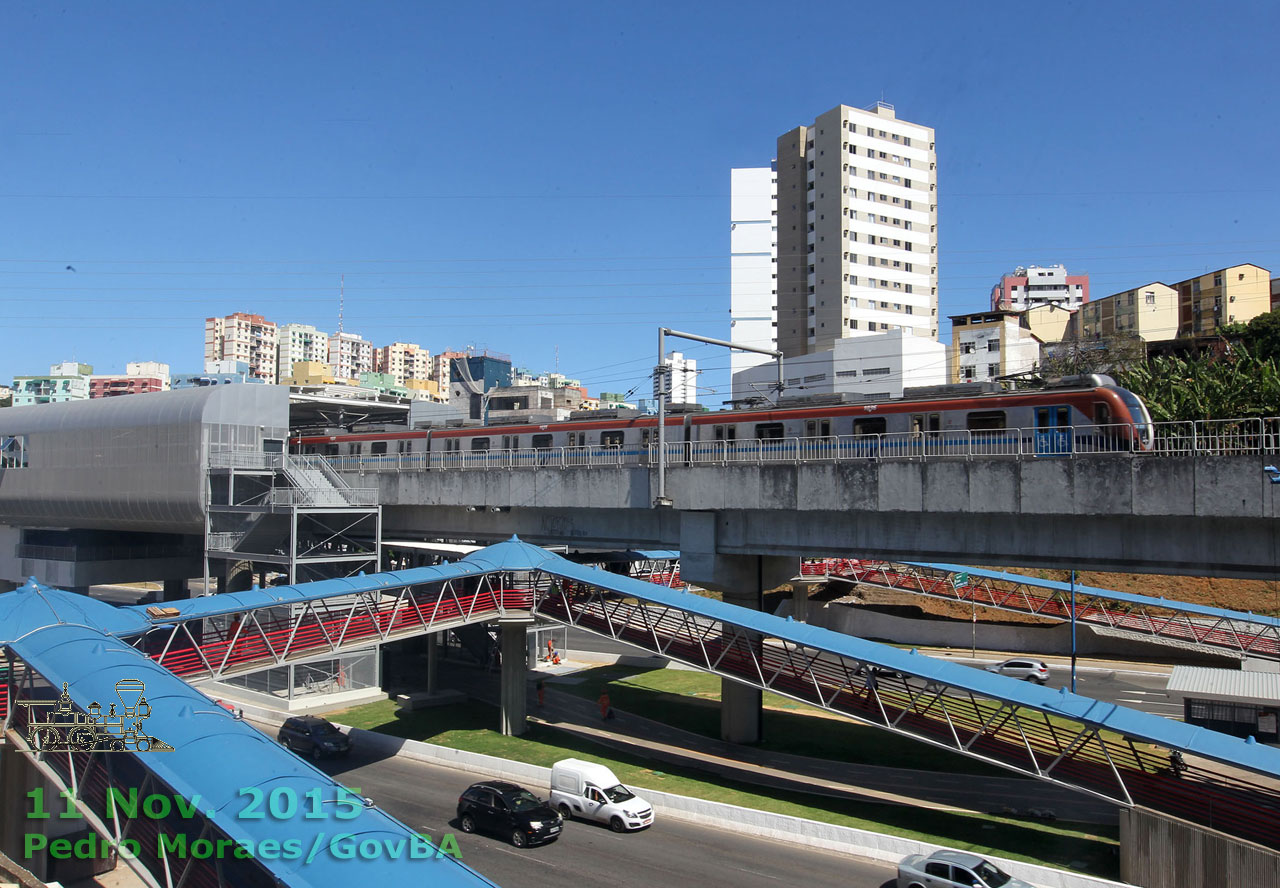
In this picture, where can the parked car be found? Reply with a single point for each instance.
(953, 869)
(313, 736)
(508, 810)
(591, 791)
(1021, 667)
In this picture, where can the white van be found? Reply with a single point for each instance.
(587, 790)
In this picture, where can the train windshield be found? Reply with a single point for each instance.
(1138, 414)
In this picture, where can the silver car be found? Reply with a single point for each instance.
(1021, 667)
(953, 869)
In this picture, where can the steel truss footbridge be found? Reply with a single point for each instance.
(1105, 750)
(1210, 629)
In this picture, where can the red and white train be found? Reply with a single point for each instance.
(1092, 406)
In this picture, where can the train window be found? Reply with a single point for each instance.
(769, 430)
(506, 442)
(644, 438)
(731, 433)
(541, 442)
(357, 449)
(824, 428)
(871, 425)
(611, 439)
(935, 422)
(719, 432)
(402, 447)
(582, 439)
(983, 420)
(378, 448)
(1064, 417)
(917, 423)
(810, 428)
(479, 443)
(331, 450)
(1102, 413)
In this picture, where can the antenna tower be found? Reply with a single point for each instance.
(342, 295)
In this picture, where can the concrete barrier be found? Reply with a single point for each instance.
(782, 827)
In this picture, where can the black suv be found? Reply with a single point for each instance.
(508, 810)
(311, 735)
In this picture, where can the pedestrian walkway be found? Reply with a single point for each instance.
(872, 783)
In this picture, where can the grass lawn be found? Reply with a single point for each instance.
(470, 726)
(690, 700)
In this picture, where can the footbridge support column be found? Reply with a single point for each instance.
(515, 673)
(742, 580)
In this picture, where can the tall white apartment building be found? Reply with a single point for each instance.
(350, 355)
(300, 342)
(680, 379)
(243, 337)
(403, 360)
(857, 229)
(753, 234)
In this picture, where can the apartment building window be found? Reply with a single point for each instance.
(1150, 297)
(906, 141)
(853, 325)
(993, 370)
(993, 345)
(877, 371)
(966, 373)
(846, 373)
(966, 348)
(1217, 280)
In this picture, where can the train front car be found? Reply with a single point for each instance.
(1134, 413)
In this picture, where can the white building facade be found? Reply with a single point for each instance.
(753, 252)
(988, 345)
(680, 379)
(875, 367)
(857, 229)
(300, 342)
(350, 355)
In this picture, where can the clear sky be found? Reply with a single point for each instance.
(548, 179)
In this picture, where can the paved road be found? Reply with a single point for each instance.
(670, 852)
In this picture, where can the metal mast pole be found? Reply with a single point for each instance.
(659, 373)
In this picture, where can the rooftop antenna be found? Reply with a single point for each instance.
(342, 294)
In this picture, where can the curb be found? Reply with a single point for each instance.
(782, 827)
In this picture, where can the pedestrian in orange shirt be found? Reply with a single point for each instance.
(604, 705)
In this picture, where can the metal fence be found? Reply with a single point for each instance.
(1204, 438)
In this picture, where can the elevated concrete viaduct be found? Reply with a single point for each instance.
(1201, 515)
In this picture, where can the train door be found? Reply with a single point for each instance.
(1053, 430)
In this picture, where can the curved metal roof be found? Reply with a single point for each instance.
(216, 758)
(233, 404)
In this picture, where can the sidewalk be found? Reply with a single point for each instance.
(654, 740)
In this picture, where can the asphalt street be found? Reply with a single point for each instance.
(425, 798)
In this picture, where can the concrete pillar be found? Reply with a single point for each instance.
(741, 707)
(433, 661)
(174, 590)
(800, 602)
(515, 674)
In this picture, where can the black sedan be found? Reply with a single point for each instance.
(508, 810)
(311, 735)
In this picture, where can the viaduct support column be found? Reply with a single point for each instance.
(515, 673)
(743, 580)
(433, 661)
(174, 590)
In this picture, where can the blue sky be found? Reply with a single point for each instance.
(544, 179)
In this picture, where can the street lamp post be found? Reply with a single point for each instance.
(660, 376)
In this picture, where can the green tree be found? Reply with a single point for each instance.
(1233, 386)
